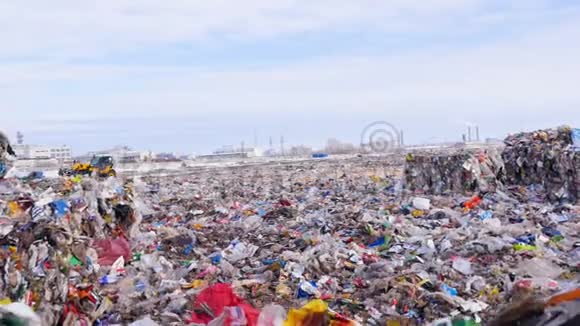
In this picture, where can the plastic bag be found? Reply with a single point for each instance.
(463, 266)
(215, 299)
(110, 250)
(238, 251)
(540, 268)
(25, 314)
(272, 315)
(421, 203)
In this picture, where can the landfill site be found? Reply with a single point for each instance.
(448, 236)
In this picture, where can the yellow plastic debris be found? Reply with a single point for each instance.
(524, 247)
(108, 218)
(302, 316)
(14, 208)
(417, 213)
(195, 284)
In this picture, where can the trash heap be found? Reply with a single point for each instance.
(5, 151)
(333, 242)
(453, 170)
(544, 158)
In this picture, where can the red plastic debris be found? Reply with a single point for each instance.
(110, 250)
(215, 299)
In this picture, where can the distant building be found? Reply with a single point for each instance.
(185, 157)
(121, 154)
(334, 146)
(229, 152)
(493, 141)
(146, 156)
(38, 152)
(271, 152)
(166, 157)
(300, 150)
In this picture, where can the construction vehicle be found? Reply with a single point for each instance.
(101, 166)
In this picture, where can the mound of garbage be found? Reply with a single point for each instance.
(325, 242)
(453, 171)
(546, 161)
(545, 158)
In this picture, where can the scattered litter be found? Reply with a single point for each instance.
(319, 242)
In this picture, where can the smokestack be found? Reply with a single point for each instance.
(477, 133)
(20, 138)
(402, 139)
(469, 134)
(282, 145)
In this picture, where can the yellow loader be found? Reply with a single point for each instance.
(101, 166)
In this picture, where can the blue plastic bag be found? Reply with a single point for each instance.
(60, 207)
(2, 170)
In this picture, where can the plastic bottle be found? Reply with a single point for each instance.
(449, 290)
(108, 279)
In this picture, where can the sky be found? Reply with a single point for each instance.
(189, 76)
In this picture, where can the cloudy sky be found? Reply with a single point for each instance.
(192, 75)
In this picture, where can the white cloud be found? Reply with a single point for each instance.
(533, 73)
(62, 29)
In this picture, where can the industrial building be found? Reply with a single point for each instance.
(38, 152)
(229, 152)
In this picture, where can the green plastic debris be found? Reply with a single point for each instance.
(74, 261)
(465, 322)
(12, 320)
(524, 247)
(137, 256)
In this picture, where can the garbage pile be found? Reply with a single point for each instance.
(544, 158)
(451, 171)
(334, 242)
(5, 151)
(544, 164)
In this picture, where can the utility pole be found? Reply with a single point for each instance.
(469, 134)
